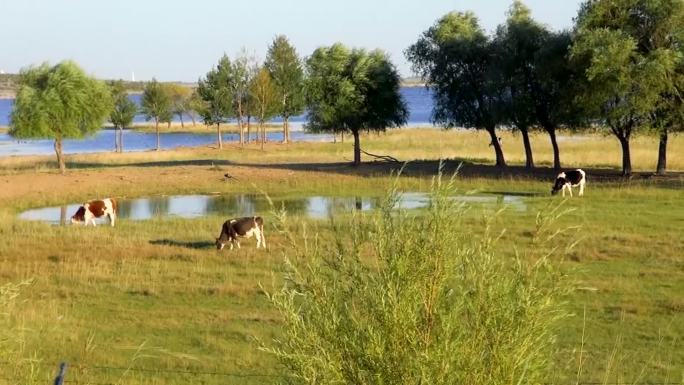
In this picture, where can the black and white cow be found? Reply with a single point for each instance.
(241, 228)
(568, 180)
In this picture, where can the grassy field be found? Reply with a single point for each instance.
(153, 302)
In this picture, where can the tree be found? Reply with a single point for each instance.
(517, 42)
(215, 90)
(555, 88)
(239, 82)
(352, 91)
(265, 100)
(285, 68)
(123, 112)
(626, 74)
(59, 102)
(180, 97)
(156, 104)
(669, 117)
(458, 61)
(195, 104)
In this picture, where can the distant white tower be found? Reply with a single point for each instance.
(132, 76)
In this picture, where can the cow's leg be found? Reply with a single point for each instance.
(112, 218)
(563, 191)
(238, 243)
(581, 186)
(570, 190)
(231, 244)
(263, 238)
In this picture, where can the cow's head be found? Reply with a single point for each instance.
(219, 244)
(558, 186)
(79, 216)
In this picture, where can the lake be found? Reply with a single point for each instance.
(418, 101)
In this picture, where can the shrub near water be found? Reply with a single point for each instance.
(416, 299)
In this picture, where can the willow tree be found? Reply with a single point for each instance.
(217, 94)
(353, 90)
(458, 61)
(156, 104)
(58, 102)
(287, 73)
(630, 62)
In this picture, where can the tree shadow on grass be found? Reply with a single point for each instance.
(197, 245)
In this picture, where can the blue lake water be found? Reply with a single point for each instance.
(418, 101)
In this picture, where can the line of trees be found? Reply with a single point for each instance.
(620, 69)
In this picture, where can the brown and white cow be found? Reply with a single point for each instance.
(568, 180)
(241, 228)
(95, 209)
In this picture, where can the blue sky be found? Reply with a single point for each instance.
(181, 40)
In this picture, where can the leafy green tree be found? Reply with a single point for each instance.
(517, 42)
(555, 88)
(458, 61)
(180, 96)
(195, 104)
(240, 78)
(353, 91)
(59, 102)
(669, 116)
(217, 94)
(285, 68)
(626, 74)
(156, 104)
(123, 112)
(265, 99)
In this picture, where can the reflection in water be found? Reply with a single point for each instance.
(316, 207)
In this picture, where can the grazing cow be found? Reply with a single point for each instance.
(95, 209)
(241, 228)
(568, 180)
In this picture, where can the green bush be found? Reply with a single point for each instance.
(402, 297)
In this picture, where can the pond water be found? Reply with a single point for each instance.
(315, 207)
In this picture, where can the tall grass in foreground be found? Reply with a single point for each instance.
(418, 298)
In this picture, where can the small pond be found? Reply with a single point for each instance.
(315, 207)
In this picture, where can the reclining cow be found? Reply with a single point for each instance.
(568, 180)
(241, 228)
(95, 209)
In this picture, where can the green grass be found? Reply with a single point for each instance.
(98, 294)
(156, 294)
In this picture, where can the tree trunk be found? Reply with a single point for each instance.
(116, 139)
(249, 134)
(287, 129)
(219, 140)
(357, 148)
(285, 135)
(239, 122)
(626, 157)
(181, 119)
(262, 133)
(529, 159)
(500, 161)
(121, 139)
(60, 155)
(661, 169)
(156, 127)
(554, 143)
(192, 116)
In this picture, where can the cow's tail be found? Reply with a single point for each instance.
(260, 222)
